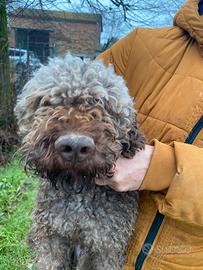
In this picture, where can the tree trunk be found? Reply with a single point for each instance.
(6, 92)
(7, 120)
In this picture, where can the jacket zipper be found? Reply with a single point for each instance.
(158, 220)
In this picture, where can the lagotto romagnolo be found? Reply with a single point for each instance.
(76, 119)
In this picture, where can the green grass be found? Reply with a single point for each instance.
(17, 193)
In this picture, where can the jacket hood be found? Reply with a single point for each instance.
(188, 19)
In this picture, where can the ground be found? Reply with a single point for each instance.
(17, 193)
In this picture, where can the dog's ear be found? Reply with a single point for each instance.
(24, 111)
(135, 142)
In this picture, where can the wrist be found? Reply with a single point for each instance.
(144, 157)
(161, 170)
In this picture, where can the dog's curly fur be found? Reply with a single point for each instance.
(78, 225)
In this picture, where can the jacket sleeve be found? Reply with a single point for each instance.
(118, 54)
(175, 174)
(179, 170)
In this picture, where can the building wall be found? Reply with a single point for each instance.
(76, 36)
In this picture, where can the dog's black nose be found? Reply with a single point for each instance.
(75, 147)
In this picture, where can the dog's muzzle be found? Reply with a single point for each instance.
(75, 148)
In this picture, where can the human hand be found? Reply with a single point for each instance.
(129, 173)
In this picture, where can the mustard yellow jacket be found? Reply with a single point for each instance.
(163, 69)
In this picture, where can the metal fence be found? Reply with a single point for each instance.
(25, 60)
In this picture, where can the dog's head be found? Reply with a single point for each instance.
(77, 119)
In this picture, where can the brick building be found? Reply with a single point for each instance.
(48, 32)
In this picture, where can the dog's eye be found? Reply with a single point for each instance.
(45, 101)
(94, 114)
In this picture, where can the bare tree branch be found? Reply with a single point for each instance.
(119, 16)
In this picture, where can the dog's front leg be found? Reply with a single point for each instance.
(52, 251)
(99, 260)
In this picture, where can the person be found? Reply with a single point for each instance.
(163, 69)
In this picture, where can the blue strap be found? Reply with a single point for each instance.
(149, 240)
(195, 131)
(158, 220)
(200, 8)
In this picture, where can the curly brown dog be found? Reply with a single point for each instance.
(77, 119)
